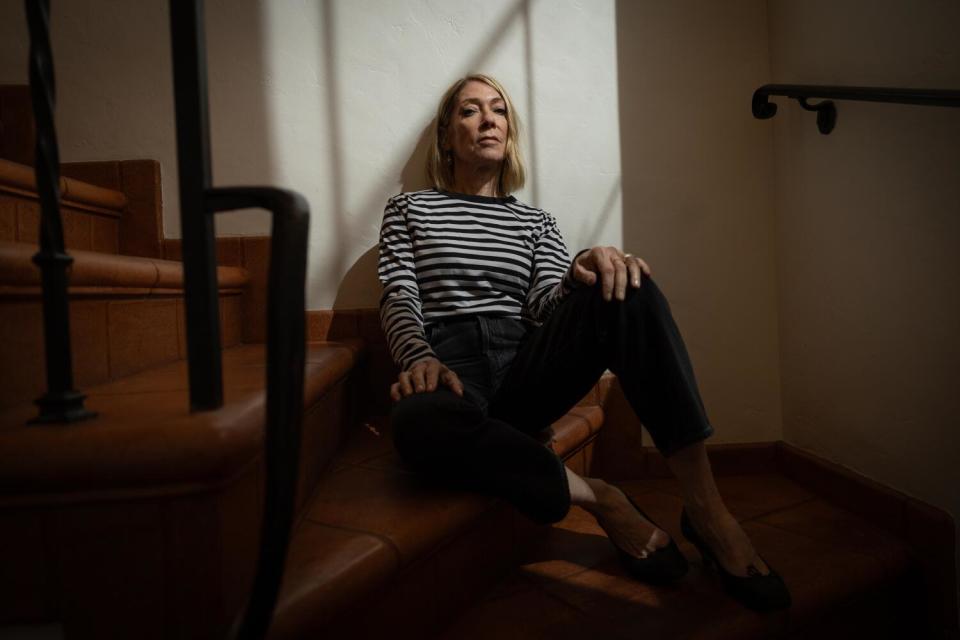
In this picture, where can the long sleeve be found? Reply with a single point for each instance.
(552, 277)
(401, 315)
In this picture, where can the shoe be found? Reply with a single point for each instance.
(755, 590)
(664, 565)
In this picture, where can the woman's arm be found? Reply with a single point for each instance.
(613, 269)
(400, 310)
(552, 276)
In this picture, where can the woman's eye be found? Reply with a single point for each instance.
(500, 110)
(468, 112)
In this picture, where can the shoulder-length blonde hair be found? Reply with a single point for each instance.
(440, 162)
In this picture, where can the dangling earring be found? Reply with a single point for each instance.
(450, 157)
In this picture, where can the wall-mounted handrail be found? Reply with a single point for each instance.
(61, 402)
(827, 111)
(286, 330)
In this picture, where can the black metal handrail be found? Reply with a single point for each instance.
(61, 402)
(827, 111)
(285, 311)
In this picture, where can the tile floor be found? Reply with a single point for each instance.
(847, 577)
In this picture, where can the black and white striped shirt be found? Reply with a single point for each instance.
(445, 254)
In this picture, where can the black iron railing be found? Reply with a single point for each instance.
(827, 112)
(198, 202)
(285, 311)
(61, 402)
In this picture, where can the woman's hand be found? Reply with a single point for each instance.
(423, 375)
(614, 268)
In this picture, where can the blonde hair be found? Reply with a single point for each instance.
(440, 163)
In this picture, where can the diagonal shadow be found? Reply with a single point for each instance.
(400, 163)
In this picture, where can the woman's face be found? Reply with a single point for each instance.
(477, 133)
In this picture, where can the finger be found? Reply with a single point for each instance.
(608, 275)
(431, 374)
(633, 269)
(404, 381)
(584, 275)
(452, 380)
(417, 378)
(644, 266)
(395, 392)
(582, 271)
(620, 279)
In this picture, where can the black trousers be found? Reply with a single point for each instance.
(519, 379)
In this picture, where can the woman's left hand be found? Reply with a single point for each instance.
(614, 268)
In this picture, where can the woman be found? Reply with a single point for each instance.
(497, 334)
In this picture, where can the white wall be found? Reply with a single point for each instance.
(698, 194)
(868, 261)
(332, 98)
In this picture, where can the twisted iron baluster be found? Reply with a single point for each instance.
(61, 403)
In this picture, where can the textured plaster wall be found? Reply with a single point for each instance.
(698, 194)
(332, 98)
(867, 231)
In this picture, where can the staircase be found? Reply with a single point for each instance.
(144, 522)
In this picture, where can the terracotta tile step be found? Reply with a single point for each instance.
(144, 521)
(848, 577)
(126, 315)
(146, 440)
(377, 537)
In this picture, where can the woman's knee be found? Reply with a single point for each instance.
(423, 421)
(645, 298)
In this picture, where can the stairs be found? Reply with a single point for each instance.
(145, 521)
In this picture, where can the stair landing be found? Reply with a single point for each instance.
(847, 577)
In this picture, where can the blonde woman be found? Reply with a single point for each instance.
(497, 334)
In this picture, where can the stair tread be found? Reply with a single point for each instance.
(166, 449)
(828, 556)
(367, 494)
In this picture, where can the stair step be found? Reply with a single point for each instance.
(126, 315)
(375, 535)
(152, 504)
(832, 560)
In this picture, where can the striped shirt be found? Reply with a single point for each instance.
(444, 254)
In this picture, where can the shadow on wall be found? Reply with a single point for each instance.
(359, 287)
(240, 138)
(360, 282)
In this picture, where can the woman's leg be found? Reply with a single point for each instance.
(639, 341)
(453, 440)
(710, 516)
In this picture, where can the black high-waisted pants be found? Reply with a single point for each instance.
(519, 379)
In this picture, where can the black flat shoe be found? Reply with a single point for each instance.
(755, 590)
(666, 564)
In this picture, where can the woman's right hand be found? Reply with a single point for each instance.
(422, 376)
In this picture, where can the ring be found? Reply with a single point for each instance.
(627, 255)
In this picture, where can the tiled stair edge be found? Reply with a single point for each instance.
(20, 179)
(106, 273)
(180, 519)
